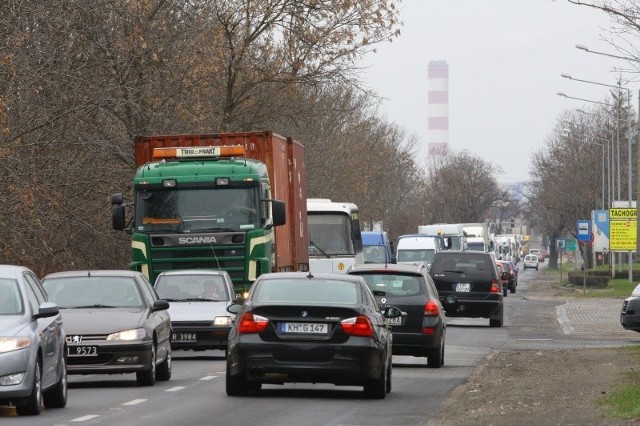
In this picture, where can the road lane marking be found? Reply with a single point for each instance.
(174, 389)
(85, 418)
(207, 377)
(134, 402)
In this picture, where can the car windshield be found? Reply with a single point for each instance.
(461, 263)
(93, 292)
(391, 284)
(417, 255)
(305, 291)
(10, 300)
(204, 288)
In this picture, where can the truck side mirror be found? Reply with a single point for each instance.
(117, 213)
(279, 212)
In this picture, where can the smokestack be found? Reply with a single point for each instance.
(438, 107)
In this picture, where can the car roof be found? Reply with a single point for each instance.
(310, 275)
(95, 273)
(413, 268)
(12, 271)
(193, 272)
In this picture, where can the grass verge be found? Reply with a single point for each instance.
(624, 402)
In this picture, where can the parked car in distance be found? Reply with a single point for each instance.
(544, 254)
(32, 344)
(473, 278)
(531, 262)
(320, 328)
(115, 323)
(199, 299)
(630, 314)
(421, 329)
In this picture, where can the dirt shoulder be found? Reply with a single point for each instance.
(541, 387)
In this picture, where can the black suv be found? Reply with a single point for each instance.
(421, 330)
(473, 278)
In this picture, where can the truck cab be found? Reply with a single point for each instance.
(377, 247)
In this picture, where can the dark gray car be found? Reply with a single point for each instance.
(32, 344)
(630, 314)
(421, 329)
(115, 323)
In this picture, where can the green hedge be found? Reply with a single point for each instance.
(592, 280)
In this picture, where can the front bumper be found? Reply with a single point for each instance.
(22, 360)
(630, 314)
(111, 357)
(199, 336)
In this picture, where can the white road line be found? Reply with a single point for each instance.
(85, 418)
(174, 389)
(207, 377)
(134, 402)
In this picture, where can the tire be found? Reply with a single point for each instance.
(512, 289)
(505, 292)
(536, 268)
(389, 371)
(377, 388)
(435, 356)
(497, 320)
(148, 377)
(163, 372)
(236, 385)
(57, 396)
(33, 404)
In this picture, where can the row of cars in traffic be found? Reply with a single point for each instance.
(105, 322)
(291, 327)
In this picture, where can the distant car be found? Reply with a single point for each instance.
(32, 344)
(320, 328)
(502, 268)
(512, 281)
(199, 300)
(473, 278)
(531, 262)
(421, 329)
(538, 254)
(115, 323)
(630, 314)
(543, 255)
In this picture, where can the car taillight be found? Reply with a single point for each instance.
(431, 309)
(357, 326)
(250, 323)
(495, 286)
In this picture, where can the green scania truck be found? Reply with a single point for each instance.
(229, 201)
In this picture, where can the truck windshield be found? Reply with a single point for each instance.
(197, 209)
(329, 234)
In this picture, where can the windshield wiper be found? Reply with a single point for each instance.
(194, 299)
(97, 305)
(319, 249)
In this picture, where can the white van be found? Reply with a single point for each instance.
(417, 248)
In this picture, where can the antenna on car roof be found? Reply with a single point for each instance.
(310, 275)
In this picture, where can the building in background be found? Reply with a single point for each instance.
(438, 107)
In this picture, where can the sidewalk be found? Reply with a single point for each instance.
(593, 317)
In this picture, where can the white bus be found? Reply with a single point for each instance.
(335, 242)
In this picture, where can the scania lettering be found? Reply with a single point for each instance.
(230, 201)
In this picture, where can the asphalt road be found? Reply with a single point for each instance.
(195, 395)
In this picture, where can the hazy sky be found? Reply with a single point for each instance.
(505, 58)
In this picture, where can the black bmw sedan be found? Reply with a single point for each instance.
(299, 327)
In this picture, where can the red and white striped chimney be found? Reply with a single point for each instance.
(438, 107)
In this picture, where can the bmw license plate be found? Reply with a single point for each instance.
(463, 287)
(394, 321)
(82, 351)
(304, 328)
(184, 337)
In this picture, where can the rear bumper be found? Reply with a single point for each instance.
(206, 337)
(473, 308)
(348, 365)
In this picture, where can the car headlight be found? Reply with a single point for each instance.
(8, 344)
(221, 321)
(135, 334)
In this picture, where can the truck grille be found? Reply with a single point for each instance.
(228, 258)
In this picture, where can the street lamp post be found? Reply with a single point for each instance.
(636, 60)
(619, 87)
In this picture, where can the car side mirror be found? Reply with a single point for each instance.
(47, 309)
(391, 312)
(234, 308)
(160, 305)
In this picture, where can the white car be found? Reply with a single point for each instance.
(199, 300)
(531, 262)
